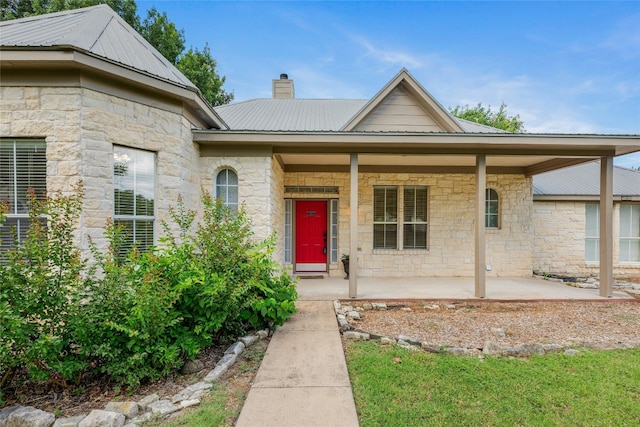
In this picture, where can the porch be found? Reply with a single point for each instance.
(429, 288)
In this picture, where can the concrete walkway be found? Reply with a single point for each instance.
(303, 378)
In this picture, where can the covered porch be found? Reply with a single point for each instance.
(446, 288)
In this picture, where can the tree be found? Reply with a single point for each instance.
(163, 34)
(200, 68)
(485, 116)
(157, 29)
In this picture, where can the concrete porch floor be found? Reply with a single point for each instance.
(498, 288)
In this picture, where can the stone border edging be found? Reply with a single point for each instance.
(116, 414)
(346, 312)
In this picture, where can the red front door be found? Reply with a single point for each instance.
(311, 235)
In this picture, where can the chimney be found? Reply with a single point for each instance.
(283, 87)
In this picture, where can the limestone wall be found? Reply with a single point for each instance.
(559, 240)
(254, 187)
(451, 227)
(81, 126)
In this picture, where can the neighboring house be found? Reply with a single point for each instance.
(566, 218)
(83, 96)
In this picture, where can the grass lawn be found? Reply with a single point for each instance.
(396, 387)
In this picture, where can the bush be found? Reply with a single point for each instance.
(138, 316)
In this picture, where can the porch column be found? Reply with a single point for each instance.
(353, 228)
(480, 257)
(606, 226)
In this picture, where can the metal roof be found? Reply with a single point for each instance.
(97, 30)
(302, 115)
(584, 180)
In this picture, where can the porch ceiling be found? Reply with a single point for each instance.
(527, 165)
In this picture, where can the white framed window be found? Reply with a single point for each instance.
(415, 218)
(592, 232)
(23, 168)
(492, 209)
(385, 217)
(333, 225)
(288, 227)
(134, 194)
(227, 188)
(629, 232)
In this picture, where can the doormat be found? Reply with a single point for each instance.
(312, 277)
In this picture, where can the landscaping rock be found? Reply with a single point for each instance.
(450, 307)
(263, 334)
(236, 348)
(187, 393)
(221, 367)
(571, 352)
(342, 322)
(406, 309)
(139, 420)
(347, 308)
(498, 332)
(408, 339)
(379, 306)
(492, 349)
(192, 366)
(147, 400)
(367, 306)
(431, 348)
(250, 340)
(190, 402)
(100, 418)
(552, 348)
(4, 414)
(526, 350)
(457, 351)
(163, 407)
(432, 307)
(69, 422)
(128, 409)
(387, 341)
(356, 335)
(27, 416)
(336, 305)
(354, 315)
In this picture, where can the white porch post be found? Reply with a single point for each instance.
(480, 257)
(606, 226)
(353, 228)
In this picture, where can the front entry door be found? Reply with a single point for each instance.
(311, 235)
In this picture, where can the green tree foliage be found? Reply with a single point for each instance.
(200, 68)
(163, 34)
(486, 116)
(156, 28)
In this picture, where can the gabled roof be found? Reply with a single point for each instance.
(406, 81)
(97, 30)
(584, 180)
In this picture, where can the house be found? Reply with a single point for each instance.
(394, 181)
(566, 221)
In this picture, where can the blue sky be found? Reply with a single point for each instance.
(565, 67)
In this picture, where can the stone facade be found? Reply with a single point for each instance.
(451, 228)
(559, 241)
(81, 126)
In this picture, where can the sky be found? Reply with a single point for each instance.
(564, 67)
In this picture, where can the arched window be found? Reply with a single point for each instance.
(227, 188)
(492, 209)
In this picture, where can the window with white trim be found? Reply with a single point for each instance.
(23, 168)
(629, 232)
(227, 188)
(385, 217)
(334, 229)
(592, 232)
(134, 194)
(492, 209)
(415, 218)
(288, 229)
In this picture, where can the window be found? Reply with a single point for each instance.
(334, 230)
(385, 217)
(491, 213)
(592, 232)
(288, 215)
(134, 184)
(23, 167)
(629, 233)
(227, 188)
(415, 218)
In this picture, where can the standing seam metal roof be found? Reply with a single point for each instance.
(300, 115)
(97, 30)
(584, 180)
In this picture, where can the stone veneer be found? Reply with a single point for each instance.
(451, 216)
(80, 127)
(559, 240)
